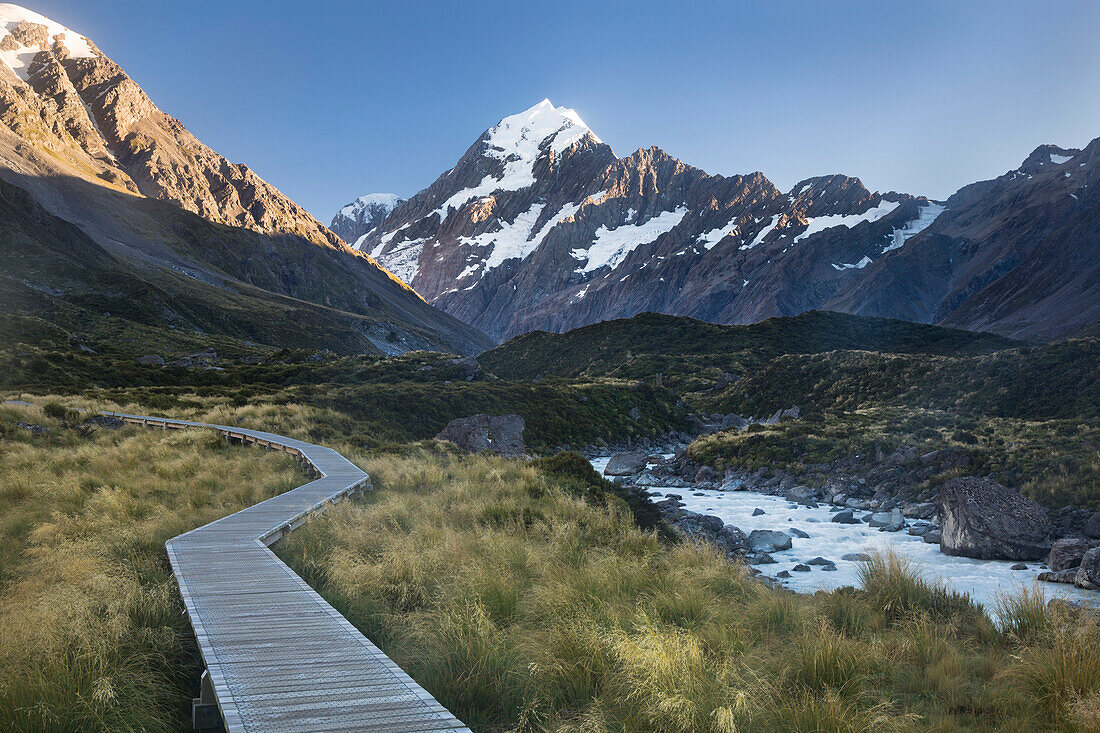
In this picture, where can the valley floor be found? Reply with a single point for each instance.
(523, 596)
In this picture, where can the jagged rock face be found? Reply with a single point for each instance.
(60, 93)
(234, 256)
(540, 226)
(1019, 254)
(363, 214)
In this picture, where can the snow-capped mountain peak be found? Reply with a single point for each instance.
(523, 135)
(363, 214)
(21, 37)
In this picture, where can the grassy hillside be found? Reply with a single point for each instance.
(374, 401)
(650, 344)
(237, 286)
(522, 607)
(1059, 380)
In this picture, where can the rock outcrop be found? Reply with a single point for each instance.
(97, 123)
(1066, 553)
(1088, 574)
(984, 520)
(626, 464)
(500, 434)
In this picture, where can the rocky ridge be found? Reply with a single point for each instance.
(75, 112)
(540, 226)
(354, 220)
(204, 245)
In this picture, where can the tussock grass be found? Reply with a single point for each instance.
(523, 607)
(93, 635)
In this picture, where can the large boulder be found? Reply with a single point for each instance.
(890, 521)
(625, 464)
(984, 520)
(1067, 553)
(709, 528)
(1088, 575)
(766, 540)
(1092, 526)
(501, 434)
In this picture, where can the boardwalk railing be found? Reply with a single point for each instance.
(278, 657)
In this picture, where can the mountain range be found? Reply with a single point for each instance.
(119, 223)
(112, 203)
(539, 226)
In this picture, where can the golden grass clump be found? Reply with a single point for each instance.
(524, 608)
(92, 631)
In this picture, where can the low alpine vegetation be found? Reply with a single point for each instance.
(521, 604)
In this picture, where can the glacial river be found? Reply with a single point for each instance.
(982, 579)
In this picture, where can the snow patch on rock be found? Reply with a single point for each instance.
(927, 214)
(19, 59)
(611, 246)
(821, 223)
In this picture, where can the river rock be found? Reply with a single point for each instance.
(830, 568)
(1088, 575)
(796, 532)
(625, 464)
(933, 537)
(766, 540)
(800, 495)
(890, 521)
(501, 434)
(732, 484)
(856, 557)
(800, 568)
(783, 574)
(844, 517)
(925, 510)
(1067, 553)
(705, 474)
(701, 524)
(727, 537)
(1058, 576)
(757, 512)
(762, 558)
(819, 561)
(984, 520)
(1018, 566)
(1092, 526)
(920, 529)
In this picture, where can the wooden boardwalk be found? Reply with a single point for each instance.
(278, 656)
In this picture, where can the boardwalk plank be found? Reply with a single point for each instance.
(281, 658)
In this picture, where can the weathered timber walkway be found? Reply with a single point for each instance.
(278, 656)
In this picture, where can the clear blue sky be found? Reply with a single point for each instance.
(330, 100)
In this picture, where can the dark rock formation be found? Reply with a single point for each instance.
(766, 540)
(626, 464)
(501, 434)
(1088, 575)
(1067, 552)
(985, 520)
